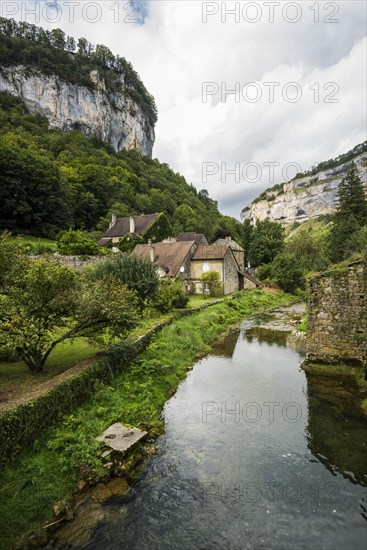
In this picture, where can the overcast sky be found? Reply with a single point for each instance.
(298, 69)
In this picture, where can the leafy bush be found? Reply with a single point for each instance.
(171, 295)
(211, 283)
(78, 243)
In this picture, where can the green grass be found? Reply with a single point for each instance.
(316, 227)
(199, 300)
(47, 473)
(34, 241)
(63, 357)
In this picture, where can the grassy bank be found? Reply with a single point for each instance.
(68, 450)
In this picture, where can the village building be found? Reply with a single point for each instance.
(172, 258)
(227, 258)
(238, 251)
(124, 233)
(192, 258)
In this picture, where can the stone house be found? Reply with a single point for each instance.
(124, 233)
(227, 258)
(172, 258)
(238, 251)
(190, 256)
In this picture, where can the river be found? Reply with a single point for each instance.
(255, 455)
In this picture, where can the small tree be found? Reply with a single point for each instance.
(51, 303)
(211, 283)
(76, 242)
(138, 274)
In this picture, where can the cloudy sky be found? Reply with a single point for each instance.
(296, 70)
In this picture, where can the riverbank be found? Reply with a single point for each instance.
(68, 451)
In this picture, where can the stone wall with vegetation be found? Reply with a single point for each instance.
(337, 331)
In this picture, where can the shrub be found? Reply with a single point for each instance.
(77, 243)
(211, 283)
(171, 295)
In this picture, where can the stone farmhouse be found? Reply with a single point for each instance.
(124, 233)
(190, 256)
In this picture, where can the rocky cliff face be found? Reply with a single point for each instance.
(115, 118)
(304, 198)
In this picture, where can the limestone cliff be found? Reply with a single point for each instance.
(114, 116)
(309, 195)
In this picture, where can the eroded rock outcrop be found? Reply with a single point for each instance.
(307, 197)
(114, 117)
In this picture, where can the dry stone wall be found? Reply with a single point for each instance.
(337, 306)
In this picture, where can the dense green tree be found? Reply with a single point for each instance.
(33, 194)
(350, 217)
(247, 235)
(344, 237)
(185, 219)
(139, 275)
(287, 273)
(266, 242)
(211, 283)
(12, 261)
(352, 197)
(309, 248)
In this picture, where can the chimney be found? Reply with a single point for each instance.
(132, 225)
(152, 253)
(113, 220)
(228, 239)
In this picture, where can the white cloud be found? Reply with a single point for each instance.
(175, 52)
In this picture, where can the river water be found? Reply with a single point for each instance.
(256, 455)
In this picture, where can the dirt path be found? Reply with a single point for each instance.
(38, 390)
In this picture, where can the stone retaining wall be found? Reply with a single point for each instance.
(337, 331)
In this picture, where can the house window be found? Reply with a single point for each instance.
(206, 268)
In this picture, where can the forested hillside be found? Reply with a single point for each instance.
(52, 180)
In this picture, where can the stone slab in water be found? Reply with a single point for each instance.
(120, 438)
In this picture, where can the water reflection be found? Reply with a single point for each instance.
(252, 475)
(225, 347)
(336, 431)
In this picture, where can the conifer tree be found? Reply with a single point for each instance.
(350, 217)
